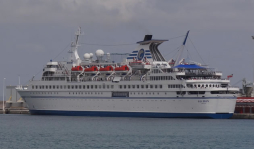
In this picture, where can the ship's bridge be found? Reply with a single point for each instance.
(51, 66)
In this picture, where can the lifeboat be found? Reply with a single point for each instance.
(122, 68)
(107, 69)
(77, 68)
(92, 69)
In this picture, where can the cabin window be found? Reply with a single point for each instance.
(79, 86)
(91, 86)
(160, 86)
(84, 86)
(120, 94)
(133, 86)
(124, 86)
(129, 86)
(155, 86)
(142, 86)
(99, 86)
(103, 86)
(95, 86)
(87, 86)
(151, 86)
(107, 86)
(137, 86)
(180, 92)
(112, 86)
(146, 86)
(196, 92)
(120, 86)
(76, 86)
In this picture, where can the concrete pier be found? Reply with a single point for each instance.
(16, 109)
(243, 116)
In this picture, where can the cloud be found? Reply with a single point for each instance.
(228, 14)
(66, 11)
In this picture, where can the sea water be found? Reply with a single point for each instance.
(59, 132)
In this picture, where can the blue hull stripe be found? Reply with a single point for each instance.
(132, 114)
(155, 98)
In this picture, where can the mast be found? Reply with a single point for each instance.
(74, 57)
(181, 49)
(253, 63)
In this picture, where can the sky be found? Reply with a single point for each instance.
(34, 32)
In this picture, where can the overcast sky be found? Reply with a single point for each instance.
(33, 32)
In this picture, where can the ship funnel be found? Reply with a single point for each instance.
(148, 37)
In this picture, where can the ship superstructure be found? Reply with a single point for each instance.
(144, 85)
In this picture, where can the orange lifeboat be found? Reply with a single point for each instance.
(77, 68)
(91, 69)
(122, 68)
(108, 68)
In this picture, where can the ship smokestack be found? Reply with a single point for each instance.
(148, 37)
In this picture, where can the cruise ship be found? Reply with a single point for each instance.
(142, 85)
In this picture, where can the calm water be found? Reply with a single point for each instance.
(27, 131)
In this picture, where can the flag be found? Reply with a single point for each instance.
(230, 76)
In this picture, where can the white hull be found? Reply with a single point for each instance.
(154, 105)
